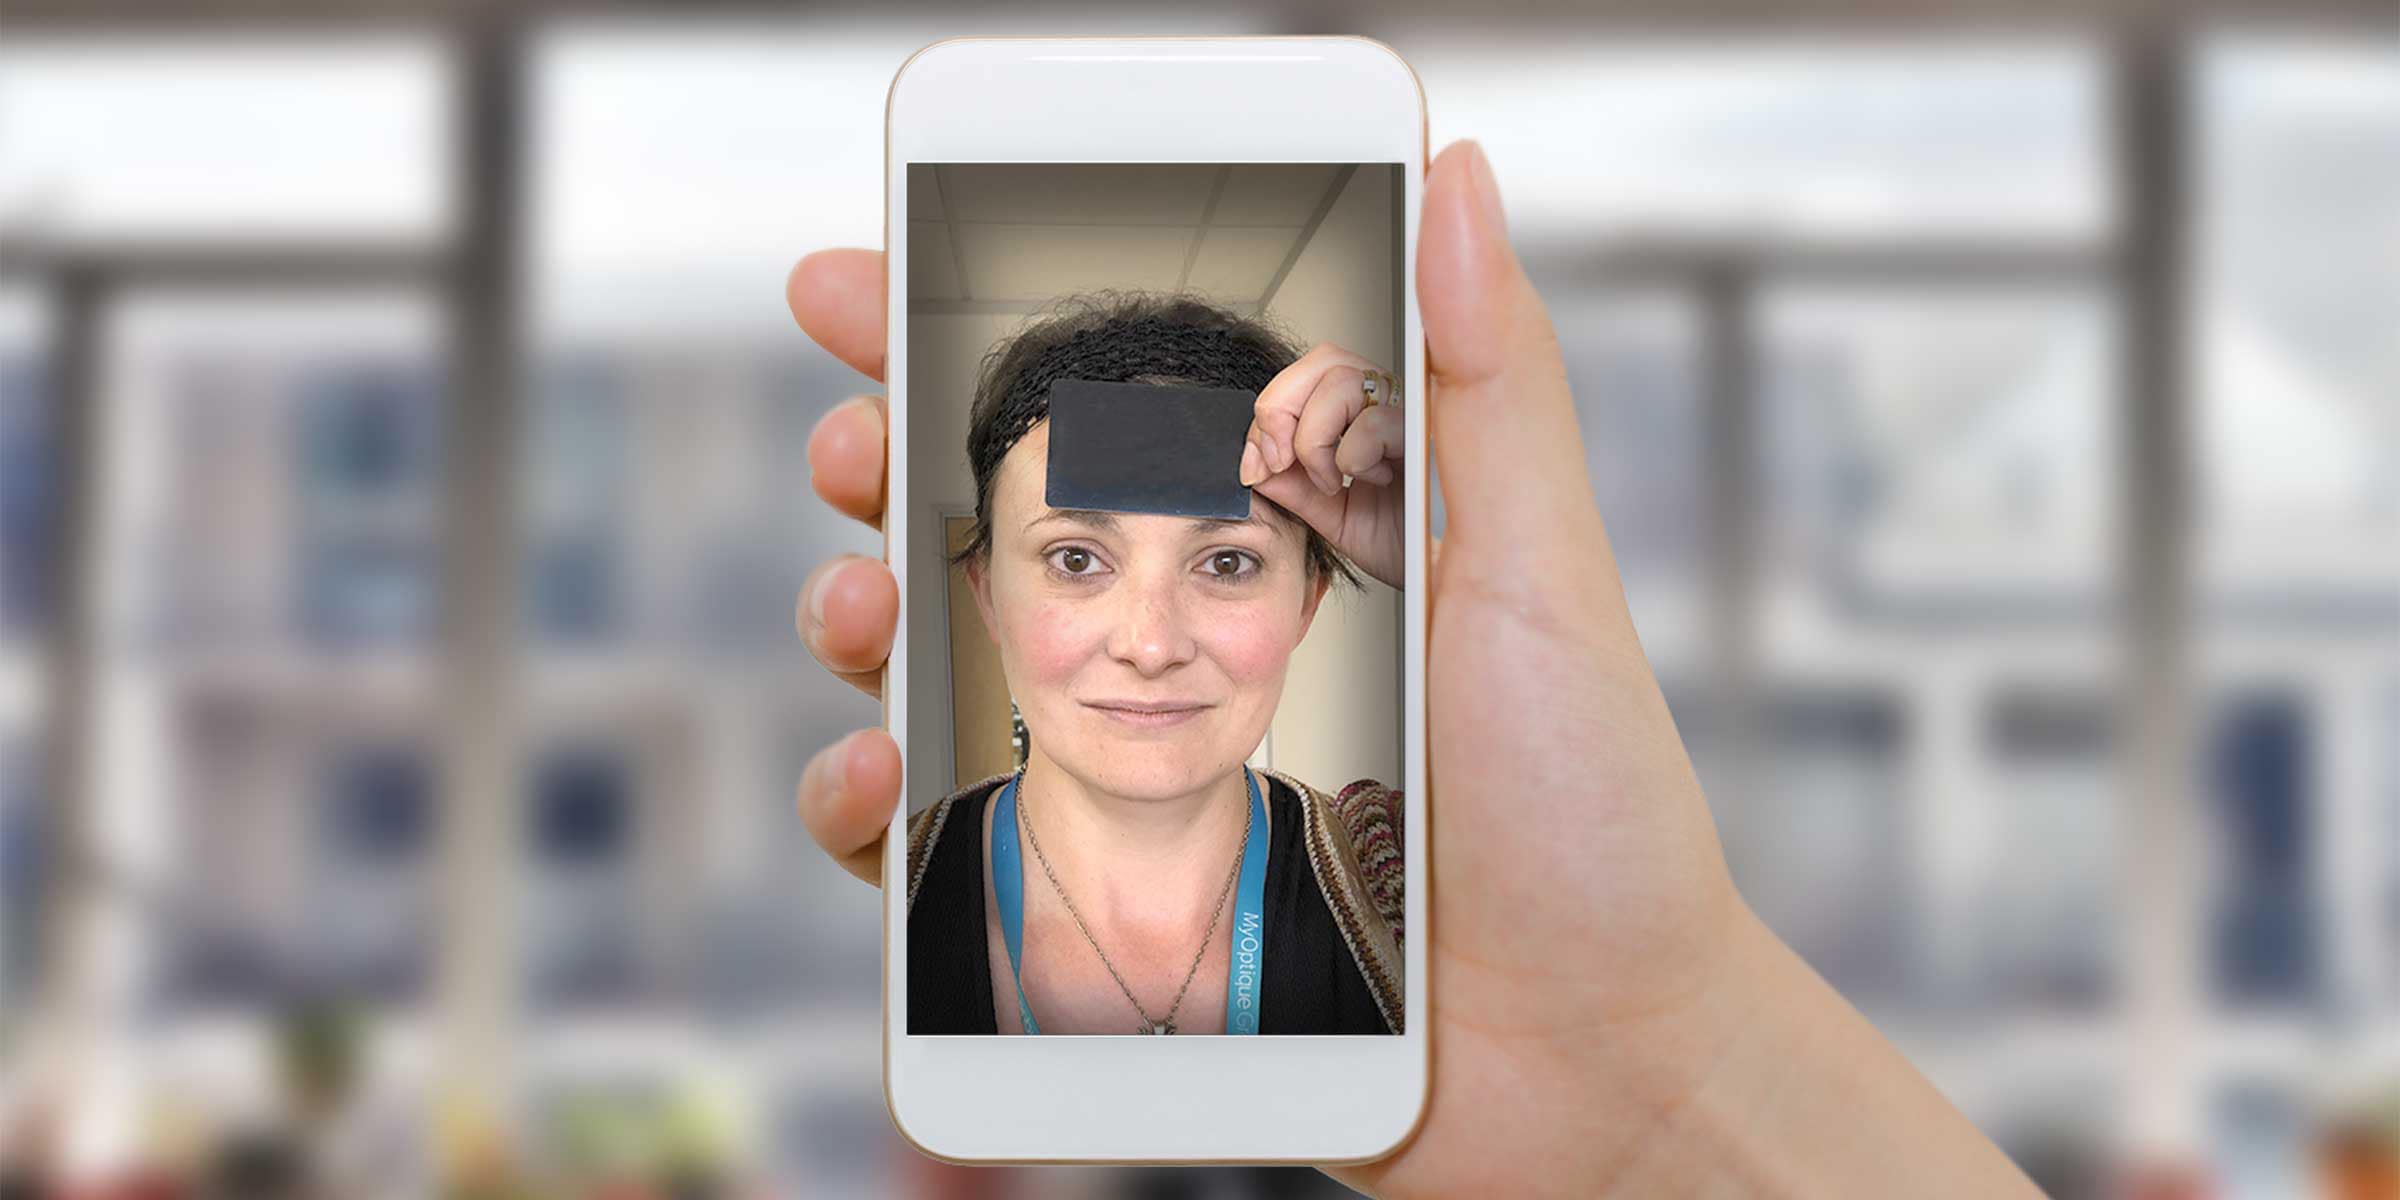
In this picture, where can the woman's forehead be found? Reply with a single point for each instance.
(1024, 474)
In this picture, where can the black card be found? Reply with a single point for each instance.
(1148, 448)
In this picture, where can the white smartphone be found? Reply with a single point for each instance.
(1153, 332)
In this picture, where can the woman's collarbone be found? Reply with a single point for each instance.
(1135, 944)
(1153, 966)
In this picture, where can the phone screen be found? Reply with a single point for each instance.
(1156, 713)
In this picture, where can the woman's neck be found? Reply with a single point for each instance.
(1134, 851)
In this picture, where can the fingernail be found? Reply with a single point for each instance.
(816, 599)
(1487, 189)
(1249, 463)
(832, 412)
(1277, 458)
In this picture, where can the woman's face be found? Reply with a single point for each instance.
(1096, 611)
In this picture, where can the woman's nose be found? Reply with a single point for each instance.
(1150, 631)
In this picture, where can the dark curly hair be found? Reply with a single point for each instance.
(1120, 336)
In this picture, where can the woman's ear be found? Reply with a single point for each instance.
(979, 581)
(1315, 597)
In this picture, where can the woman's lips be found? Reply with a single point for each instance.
(1148, 716)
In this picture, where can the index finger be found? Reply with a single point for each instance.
(1275, 419)
(838, 298)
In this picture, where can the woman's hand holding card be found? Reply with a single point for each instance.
(1316, 423)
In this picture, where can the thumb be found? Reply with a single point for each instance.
(1502, 419)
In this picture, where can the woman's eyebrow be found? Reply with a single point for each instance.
(1079, 516)
(1108, 521)
(1213, 524)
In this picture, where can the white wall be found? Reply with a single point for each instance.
(1341, 712)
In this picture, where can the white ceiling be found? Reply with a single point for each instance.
(1018, 235)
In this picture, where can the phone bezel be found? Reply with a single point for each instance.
(1133, 1099)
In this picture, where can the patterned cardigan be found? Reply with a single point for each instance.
(1354, 840)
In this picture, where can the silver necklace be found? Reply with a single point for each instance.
(1157, 1025)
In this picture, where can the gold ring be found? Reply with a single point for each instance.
(1381, 387)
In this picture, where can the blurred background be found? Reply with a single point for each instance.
(1996, 407)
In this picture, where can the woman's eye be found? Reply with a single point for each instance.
(1230, 564)
(1074, 560)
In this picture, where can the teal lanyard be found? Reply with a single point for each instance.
(1249, 910)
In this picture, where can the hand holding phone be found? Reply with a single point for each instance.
(1607, 1015)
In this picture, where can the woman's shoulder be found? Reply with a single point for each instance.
(926, 824)
(1368, 816)
(1372, 814)
(1354, 844)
